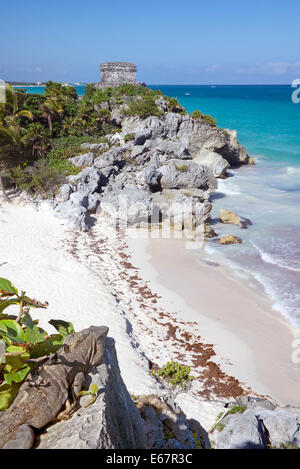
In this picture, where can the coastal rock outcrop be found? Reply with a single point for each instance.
(227, 216)
(194, 135)
(230, 239)
(214, 161)
(142, 163)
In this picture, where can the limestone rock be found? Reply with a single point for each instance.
(94, 146)
(227, 216)
(64, 193)
(109, 158)
(130, 205)
(112, 422)
(82, 160)
(281, 425)
(177, 175)
(230, 239)
(214, 161)
(116, 117)
(193, 134)
(89, 180)
(75, 215)
(241, 431)
(262, 424)
(236, 154)
(166, 426)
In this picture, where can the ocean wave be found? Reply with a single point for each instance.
(287, 305)
(227, 187)
(272, 258)
(292, 170)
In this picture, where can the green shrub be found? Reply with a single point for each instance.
(39, 179)
(220, 426)
(204, 117)
(224, 132)
(143, 108)
(175, 374)
(282, 445)
(237, 409)
(129, 137)
(71, 145)
(174, 106)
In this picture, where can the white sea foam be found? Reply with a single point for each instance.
(275, 260)
(292, 170)
(228, 187)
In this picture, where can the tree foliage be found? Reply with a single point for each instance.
(23, 341)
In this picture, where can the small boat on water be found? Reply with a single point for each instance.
(187, 94)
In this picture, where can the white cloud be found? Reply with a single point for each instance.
(213, 68)
(271, 68)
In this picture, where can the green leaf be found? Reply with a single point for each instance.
(3, 328)
(94, 388)
(83, 393)
(16, 362)
(34, 334)
(7, 286)
(14, 331)
(50, 345)
(7, 395)
(17, 376)
(5, 304)
(64, 328)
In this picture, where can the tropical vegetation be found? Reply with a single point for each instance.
(22, 342)
(38, 133)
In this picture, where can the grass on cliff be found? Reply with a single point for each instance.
(143, 107)
(204, 118)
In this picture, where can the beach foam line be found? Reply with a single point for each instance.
(272, 259)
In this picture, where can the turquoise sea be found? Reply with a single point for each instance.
(268, 124)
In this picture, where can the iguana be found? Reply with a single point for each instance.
(46, 390)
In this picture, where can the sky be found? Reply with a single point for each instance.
(170, 41)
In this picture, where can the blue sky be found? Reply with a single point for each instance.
(171, 41)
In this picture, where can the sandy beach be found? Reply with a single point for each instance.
(194, 313)
(253, 342)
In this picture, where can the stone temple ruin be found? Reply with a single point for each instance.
(117, 73)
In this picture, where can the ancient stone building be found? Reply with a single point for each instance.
(117, 73)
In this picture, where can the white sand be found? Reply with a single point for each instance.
(88, 279)
(32, 245)
(254, 344)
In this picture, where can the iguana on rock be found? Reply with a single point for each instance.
(46, 390)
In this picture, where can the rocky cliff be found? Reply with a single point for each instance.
(115, 421)
(154, 170)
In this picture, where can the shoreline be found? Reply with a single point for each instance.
(257, 348)
(101, 278)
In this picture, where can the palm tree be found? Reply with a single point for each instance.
(13, 144)
(51, 108)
